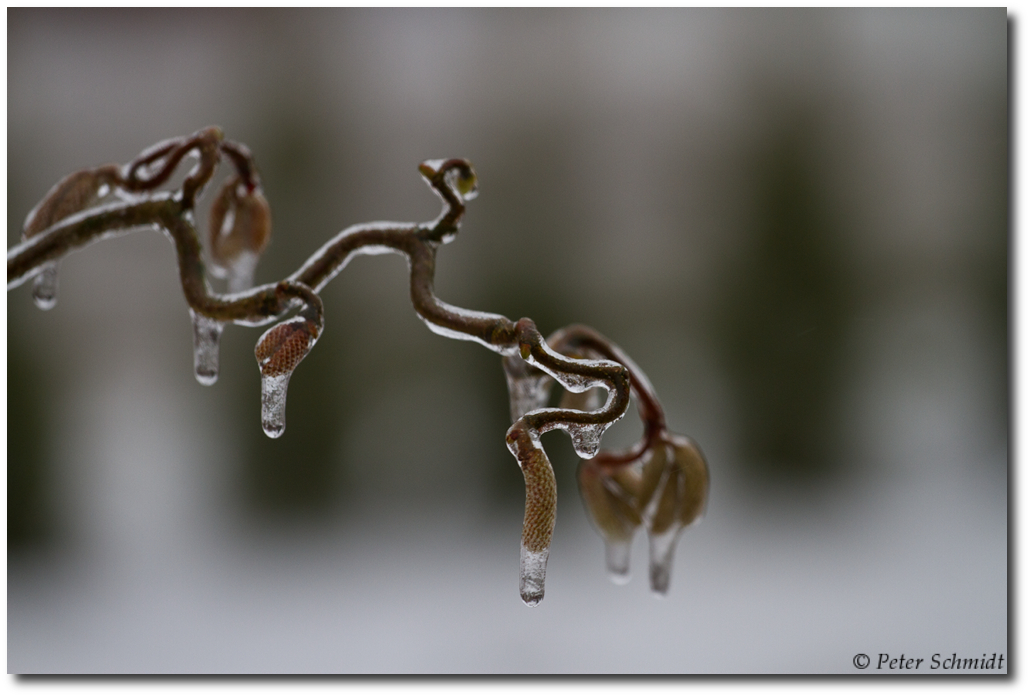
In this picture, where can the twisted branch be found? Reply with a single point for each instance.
(72, 216)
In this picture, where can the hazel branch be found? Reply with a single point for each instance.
(620, 489)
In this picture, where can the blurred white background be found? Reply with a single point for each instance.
(795, 221)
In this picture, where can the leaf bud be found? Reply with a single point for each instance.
(284, 346)
(240, 225)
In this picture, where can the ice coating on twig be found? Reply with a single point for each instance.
(44, 286)
(207, 334)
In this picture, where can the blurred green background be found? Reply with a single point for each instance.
(795, 221)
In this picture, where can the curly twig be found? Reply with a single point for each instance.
(70, 217)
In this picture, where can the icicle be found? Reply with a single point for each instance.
(44, 286)
(616, 557)
(662, 545)
(532, 572)
(273, 404)
(586, 438)
(207, 333)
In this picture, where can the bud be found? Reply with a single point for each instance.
(278, 352)
(680, 500)
(666, 504)
(71, 195)
(238, 232)
(458, 174)
(615, 518)
(693, 479)
(655, 461)
(464, 180)
(284, 346)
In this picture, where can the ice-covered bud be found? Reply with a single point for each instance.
(678, 502)
(278, 352)
(655, 460)
(680, 499)
(239, 229)
(282, 347)
(457, 173)
(693, 479)
(465, 182)
(73, 194)
(613, 515)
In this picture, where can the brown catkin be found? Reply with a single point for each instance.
(541, 490)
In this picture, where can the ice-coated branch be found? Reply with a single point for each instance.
(662, 481)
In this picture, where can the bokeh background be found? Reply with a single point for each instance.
(795, 221)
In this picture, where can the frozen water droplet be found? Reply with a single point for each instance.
(662, 547)
(533, 568)
(44, 286)
(273, 404)
(586, 438)
(616, 553)
(207, 333)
